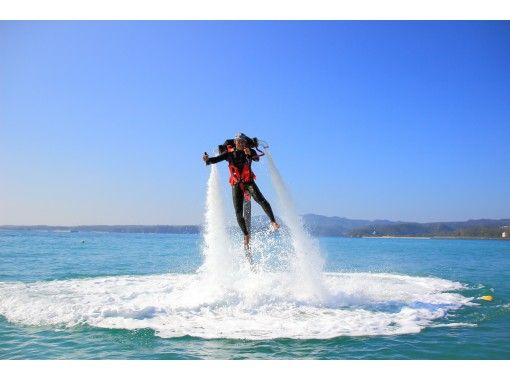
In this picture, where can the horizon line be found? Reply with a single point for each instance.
(199, 224)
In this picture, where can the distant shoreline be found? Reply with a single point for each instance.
(318, 225)
(162, 229)
(436, 237)
(197, 229)
(397, 237)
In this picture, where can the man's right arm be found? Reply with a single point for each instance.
(214, 160)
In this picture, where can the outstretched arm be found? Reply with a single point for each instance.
(214, 160)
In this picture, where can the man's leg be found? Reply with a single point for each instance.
(247, 214)
(237, 199)
(254, 190)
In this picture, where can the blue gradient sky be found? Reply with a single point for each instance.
(105, 122)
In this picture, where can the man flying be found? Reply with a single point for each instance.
(242, 180)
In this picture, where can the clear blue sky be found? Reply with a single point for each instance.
(106, 122)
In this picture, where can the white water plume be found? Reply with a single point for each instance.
(217, 249)
(291, 252)
(307, 262)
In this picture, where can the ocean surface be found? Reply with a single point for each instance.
(76, 295)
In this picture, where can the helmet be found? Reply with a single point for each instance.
(240, 136)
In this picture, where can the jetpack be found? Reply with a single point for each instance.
(251, 142)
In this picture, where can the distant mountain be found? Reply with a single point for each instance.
(487, 228)
(334, 226)
(321, 225)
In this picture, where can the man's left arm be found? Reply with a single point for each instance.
(252, 154)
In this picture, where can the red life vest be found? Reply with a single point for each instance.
(246, 175)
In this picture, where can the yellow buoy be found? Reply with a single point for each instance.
(487, 298)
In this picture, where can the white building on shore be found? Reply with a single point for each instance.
(505, 234)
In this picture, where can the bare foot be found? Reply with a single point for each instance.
(247, 251)
(250, 259)
(275, 226)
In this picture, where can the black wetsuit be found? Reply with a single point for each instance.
(239, 158)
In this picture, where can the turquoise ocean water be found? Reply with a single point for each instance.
(93, 295)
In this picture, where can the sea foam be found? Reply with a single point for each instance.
(259, 306)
